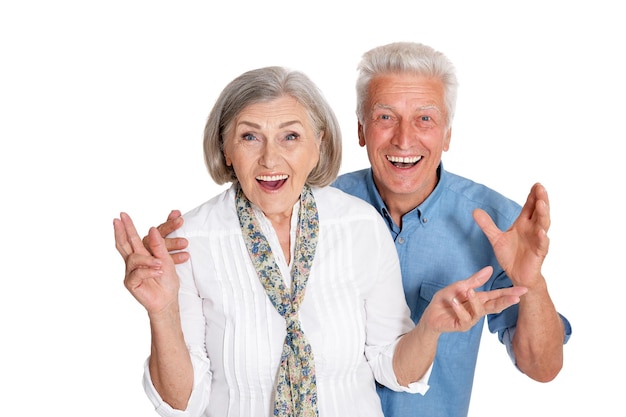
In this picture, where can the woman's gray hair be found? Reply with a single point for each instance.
(401, 58)
(262, 85)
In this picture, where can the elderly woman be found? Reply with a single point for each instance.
(291, 303)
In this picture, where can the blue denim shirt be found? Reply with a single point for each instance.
(440, 243)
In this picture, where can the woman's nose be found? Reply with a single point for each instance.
(269, 155)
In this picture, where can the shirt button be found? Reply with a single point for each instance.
(424, 220)
(401, 240)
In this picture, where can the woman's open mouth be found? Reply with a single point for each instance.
(272, 182)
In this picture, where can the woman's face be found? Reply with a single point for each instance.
(272, 149)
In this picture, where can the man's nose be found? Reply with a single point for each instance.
(405, 134)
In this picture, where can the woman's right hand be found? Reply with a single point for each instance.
(150, 278)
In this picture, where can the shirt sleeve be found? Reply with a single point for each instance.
(506, 337)
(199, 394)
(388, 315)
(193, 326)
(381, 361)
(504, 323)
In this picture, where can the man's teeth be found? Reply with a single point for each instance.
(404, 160)
(272, 177)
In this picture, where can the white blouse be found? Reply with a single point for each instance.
(353, 312)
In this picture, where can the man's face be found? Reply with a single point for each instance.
(405, 131)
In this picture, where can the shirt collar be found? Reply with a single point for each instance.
(423, 212)
(374, 196)
(427, 209)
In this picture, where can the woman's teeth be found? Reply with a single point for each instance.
(272, 177)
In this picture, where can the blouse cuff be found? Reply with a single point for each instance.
(200, 391)
(420, 386)
(384, 374)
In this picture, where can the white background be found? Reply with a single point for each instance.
(102, 107)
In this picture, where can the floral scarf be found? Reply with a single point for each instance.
(296, 392)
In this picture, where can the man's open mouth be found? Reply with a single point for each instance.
(404, 161)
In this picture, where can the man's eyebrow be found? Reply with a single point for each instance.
(430, 107)
(388, 107)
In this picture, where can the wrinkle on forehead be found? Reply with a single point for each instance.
(417, 109)
(407, 88)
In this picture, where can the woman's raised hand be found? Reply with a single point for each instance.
(150, 278)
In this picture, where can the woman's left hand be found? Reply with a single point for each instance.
(458, 307)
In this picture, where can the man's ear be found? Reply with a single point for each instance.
(361, 134)
(446, 140)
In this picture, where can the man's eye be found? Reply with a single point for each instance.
(385, 117)
(425, 118)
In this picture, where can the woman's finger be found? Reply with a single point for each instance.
(132, 235)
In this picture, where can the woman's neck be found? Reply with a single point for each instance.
(282, 227)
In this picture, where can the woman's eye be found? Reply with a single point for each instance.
(248, 137)
(291, 136)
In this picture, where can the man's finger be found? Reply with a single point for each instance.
(180, 257)
(175, 243)
(170, 225)
(486, 224)
(174, 221)
(174, 214)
